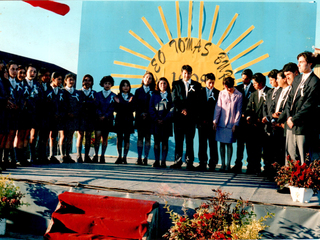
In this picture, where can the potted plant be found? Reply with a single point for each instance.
(303, 180)
(10, 199)
(216, 220)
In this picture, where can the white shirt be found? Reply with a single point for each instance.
(30, 82)
(86, 91)
(281, 98)
(146, 88)
(164, 95)
(186, 84)
(106, 93)
(12, 82)
(125, 96)
(262, 93)
(209, 92)
(70, 90)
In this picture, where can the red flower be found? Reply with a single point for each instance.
(182, 219)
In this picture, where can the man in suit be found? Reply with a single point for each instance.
(185, 97)
(301, 110)
(208, 99)
(254, 115)
(246, 88)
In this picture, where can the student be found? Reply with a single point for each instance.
(246, 88)
(105, 109)
(3, 117)
(124, 107)
(32, 96)
(44, 78)
(14, 93)
(227, 116)
(208, 99)
(74, 100)
(55, 112)
(142, 119)
(21, 73)
(185, 97)
(254, 115)
(161, 112)
(87, 118)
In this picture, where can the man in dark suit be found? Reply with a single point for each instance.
(208, 99)
(301, 111)
(254, 115)
(185, 97)
(246, 88)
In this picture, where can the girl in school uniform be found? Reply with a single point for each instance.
(124, 107)
(3, 117)
(87, 118)
(105, 109)
(54, 114)
(161, 112)
(21, 73)
(74, 100)
(143, 120)
(32, 97)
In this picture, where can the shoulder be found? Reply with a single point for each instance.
(196, 83)
(239, 87)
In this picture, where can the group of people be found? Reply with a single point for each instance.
(36, 107)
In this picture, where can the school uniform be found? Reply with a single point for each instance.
(105, 108)
(142, 98)
(256, 134)
(185, 96)
(207, 103)
(124, 114)
(74, 104)
(88, 110)
(161, 108)
(3, 105)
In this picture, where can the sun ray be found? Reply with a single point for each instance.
(242, 36)
(152, 31)
(265, 74)
(190, 19)
(246, 51)
(200, 19)
(126, 76)
(236, 81)
(165, 23)
(143, 41)
(251, 63)
(130, 65)
(178, 20)
(135, 53)
(227, 30)
(214, 21)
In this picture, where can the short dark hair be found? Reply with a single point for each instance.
(168, 85)
(106, 79)
(290, 67)
(273, 73)
(247, 72)
(32, 66)
(55, 75)
(210, 76)
(187, 68)
(281, 73)
(228, 81)
(88, 76)
(11, 62)
(122, 83)
(259, 78)
(308, 56)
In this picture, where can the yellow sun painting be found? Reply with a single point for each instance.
(202, 55)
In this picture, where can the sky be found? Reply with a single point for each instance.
(43, 35)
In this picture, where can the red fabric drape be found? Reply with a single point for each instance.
(58, 8)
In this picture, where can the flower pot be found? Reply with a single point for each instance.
(2, 226)
(301, 194)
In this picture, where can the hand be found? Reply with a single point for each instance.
(214, 126)
(102, 118)
(276, 115)
(234, 128)
(249, 120)
(116, 98)
(130, 98)
(290, 123)
(184, 112)
(264, 120)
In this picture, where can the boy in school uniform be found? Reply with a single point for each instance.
(208, 99)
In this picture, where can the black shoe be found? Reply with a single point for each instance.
(156, 164)
(79, 159)
(67, 159)
(212, 169)
(201, 168)
(102, 159)
(23, 164)
(87, 159)
(163, 164)
(54, 160)
(190, 167)
(118, 161)
(145, 161)
(139, 161)
(95, 159)
(236, 169)
(124, 160)
(176, 164)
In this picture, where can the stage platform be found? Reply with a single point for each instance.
(43, 183)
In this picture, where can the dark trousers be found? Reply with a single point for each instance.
(184, 131)
(206, 134)
(242, 136)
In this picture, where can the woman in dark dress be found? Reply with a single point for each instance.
(143, 120)
(161, 112)
(73, 101)
(105, 109)
(87, 118)
(124, 107)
